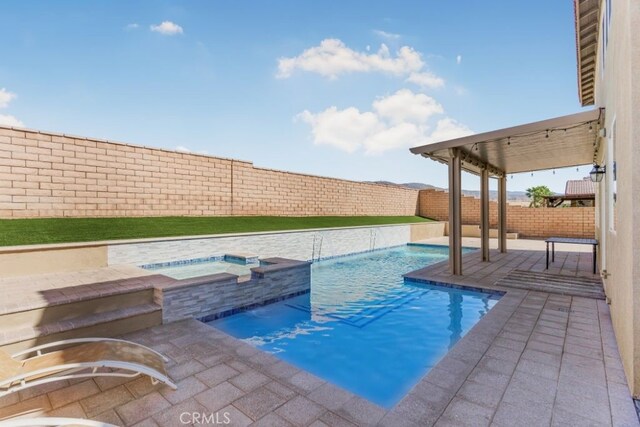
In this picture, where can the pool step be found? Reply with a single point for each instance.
(100, 309)
(367, 315)
(104, 324)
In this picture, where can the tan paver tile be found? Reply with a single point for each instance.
(480, 394)
(143, 407)
(522, 414)
(236, 417)
(584, 406)
(142, 386)
(361, 411)
(109, 417)
(219, 396)
(330, 396)
(300, 410)
(305, 381)
(185, 369)
(73, 393)
(462, 412)
(272, 420)
(258, 403)
(31, 407)
(73, 410)
(334, 420)
(180, 414)
(562, 418)
(280, 389)
(106, 400)
(249, 380)
(187, 387)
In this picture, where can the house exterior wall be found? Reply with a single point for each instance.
(48, 175)
(618, 90)
(527, 222)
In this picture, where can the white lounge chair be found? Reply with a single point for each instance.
(78, 358)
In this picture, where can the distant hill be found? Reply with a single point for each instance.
(514, 196)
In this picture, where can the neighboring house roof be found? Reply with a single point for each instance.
(587, 17)
(580, 187)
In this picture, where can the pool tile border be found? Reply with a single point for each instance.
(212, 317)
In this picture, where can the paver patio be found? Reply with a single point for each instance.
(534, 359)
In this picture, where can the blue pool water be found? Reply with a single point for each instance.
(363, 327)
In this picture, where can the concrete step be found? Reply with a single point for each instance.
(25, 317)
(102, 324)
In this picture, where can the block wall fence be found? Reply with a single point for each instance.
(54, 175)
(527, 222)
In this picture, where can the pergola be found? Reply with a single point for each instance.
(560, 142)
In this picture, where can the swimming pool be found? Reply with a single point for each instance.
(363, 327)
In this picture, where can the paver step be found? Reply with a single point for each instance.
(47, 298)
(41, 333)
(590, 287)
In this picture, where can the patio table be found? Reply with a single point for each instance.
(554, 240)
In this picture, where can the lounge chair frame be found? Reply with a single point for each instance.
(75, 370)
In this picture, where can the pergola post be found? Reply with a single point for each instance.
(455, 212)
(502, 214)
(484, 214)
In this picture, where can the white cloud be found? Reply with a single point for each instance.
(458, 59)
(406, 106)
(398, 136)
(447, 128)
(133, 26)
(167, 28)
(332, 58)
(386, 35)
(7, 120)
(396, 121)
(344, 129)
(425, 80)
(6, 97)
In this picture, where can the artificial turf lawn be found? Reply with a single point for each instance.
(61, 230)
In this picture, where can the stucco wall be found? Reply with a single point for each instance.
(49, 175)
(618, 90)
(527, 222)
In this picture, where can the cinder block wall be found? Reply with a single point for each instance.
(52, 175)
(527, 222)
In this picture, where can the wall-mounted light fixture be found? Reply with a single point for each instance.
(597, 173)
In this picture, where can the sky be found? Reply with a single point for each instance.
(330, 88)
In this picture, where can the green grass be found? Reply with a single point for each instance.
(62, 230)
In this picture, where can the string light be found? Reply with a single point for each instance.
(509, 141)
(547, 136)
